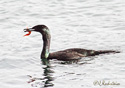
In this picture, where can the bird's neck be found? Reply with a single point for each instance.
(46, 45)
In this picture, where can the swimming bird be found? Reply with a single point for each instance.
(65, 55)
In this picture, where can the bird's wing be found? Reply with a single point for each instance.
(65, 56)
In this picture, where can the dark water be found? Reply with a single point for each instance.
(89, 24)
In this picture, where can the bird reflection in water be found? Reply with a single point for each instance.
(46, 81)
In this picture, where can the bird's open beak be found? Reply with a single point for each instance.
(28, 30)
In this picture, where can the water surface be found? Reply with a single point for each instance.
(89, 24)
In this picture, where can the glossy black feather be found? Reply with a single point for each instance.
(76, 53)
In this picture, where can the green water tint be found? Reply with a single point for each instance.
(46, 80)
(48, 73)
(45, 62)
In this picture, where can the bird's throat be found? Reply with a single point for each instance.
(46, 46)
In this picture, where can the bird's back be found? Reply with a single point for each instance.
(70, 54)
(76, 53)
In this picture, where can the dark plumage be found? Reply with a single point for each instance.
(76, 53)
(65, 55)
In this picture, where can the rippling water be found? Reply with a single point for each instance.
(89, 24)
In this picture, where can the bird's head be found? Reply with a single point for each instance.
(38, 28)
